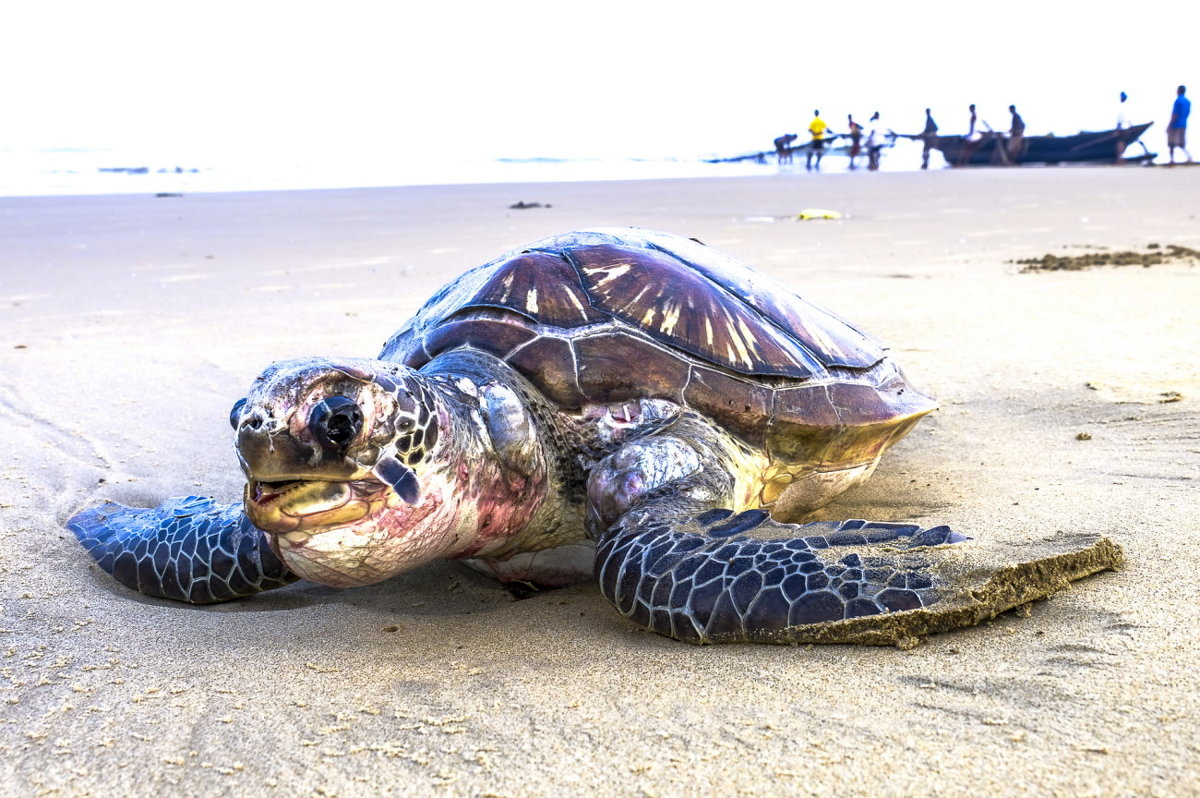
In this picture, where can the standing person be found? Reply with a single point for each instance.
(1122, 124)
(1177, 127)
(816, 129)
(874, 141)
(971, 140)
(783, 147)
(1016, 135)
(855, 138)
(928, 135)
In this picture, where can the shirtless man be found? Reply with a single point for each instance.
(1016, 135)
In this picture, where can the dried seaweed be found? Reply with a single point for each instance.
(1154, 255)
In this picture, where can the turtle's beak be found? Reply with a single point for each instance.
(303, 504)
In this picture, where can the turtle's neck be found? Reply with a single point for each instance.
(494, 467)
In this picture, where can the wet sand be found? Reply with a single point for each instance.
(130, 325)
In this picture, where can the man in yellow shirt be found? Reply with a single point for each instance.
(817, 129)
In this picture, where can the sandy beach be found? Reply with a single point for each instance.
(130, 324)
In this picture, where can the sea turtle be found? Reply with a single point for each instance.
(622, 403)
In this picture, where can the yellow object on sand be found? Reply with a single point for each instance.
(817, 213)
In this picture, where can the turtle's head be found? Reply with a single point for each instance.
(339, 458)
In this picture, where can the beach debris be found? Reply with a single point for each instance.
(1083, 436)
(1154, 255)
(616, 405)
(523, 205)
(145, 170)
(1139, 394)
(809, 214)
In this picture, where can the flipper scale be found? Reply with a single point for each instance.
(189, 549)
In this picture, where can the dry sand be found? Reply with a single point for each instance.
(129, 325)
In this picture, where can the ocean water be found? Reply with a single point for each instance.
(74, 171)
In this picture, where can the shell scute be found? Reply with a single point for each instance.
(495, 333)
(835, 341)
(742, 404)
(541, 286)
(857, 402)
(810, 402)
(549, 362)
(802, 418)
(654, 292)
(605, 373)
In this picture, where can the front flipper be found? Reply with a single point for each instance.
(672, 560)
(186, 549)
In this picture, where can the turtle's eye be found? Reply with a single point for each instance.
(235, 414)
(335, 421)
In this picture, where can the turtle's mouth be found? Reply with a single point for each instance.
(280, 506)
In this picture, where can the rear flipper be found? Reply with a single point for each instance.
(186, 549)
(854, 582)
(672, 561)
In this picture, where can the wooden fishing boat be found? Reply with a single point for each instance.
(992, 149)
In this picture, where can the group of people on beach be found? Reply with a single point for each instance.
(1009, 150)
(874, 139)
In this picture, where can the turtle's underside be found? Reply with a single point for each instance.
(631, 390)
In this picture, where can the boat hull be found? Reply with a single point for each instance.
(993, 149)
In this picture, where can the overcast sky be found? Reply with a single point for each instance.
(566, 78)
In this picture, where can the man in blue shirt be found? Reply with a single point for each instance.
(1177, 127)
